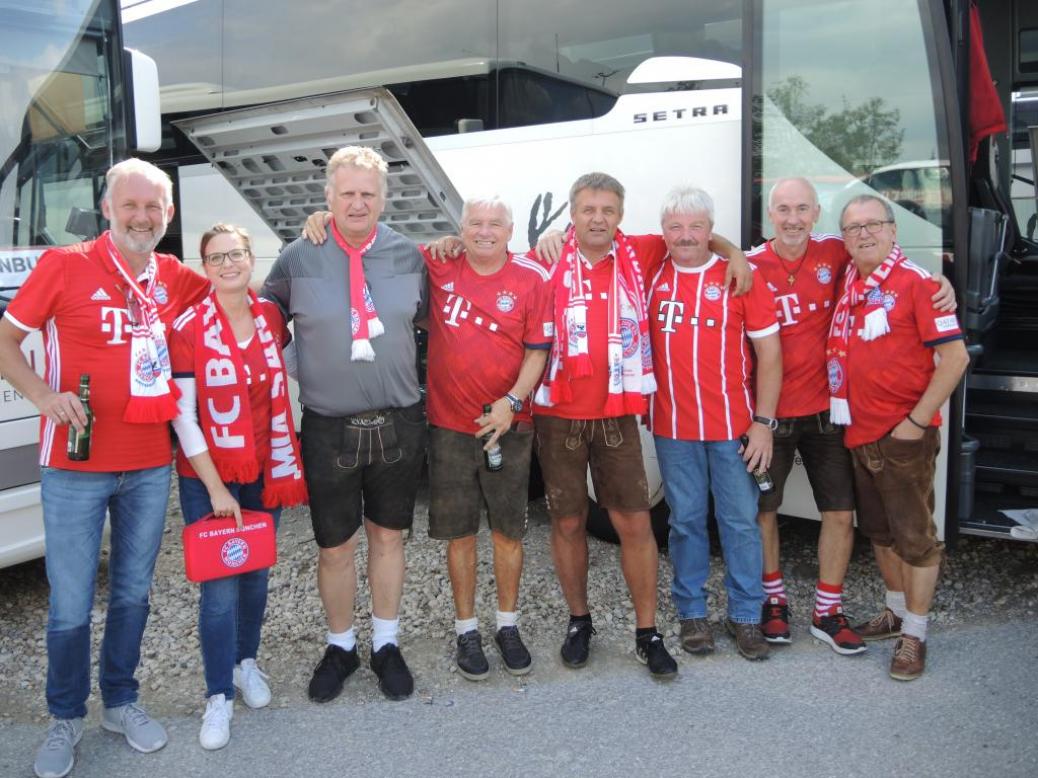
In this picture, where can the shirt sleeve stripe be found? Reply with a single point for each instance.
(946, 339)
(763, 333)
(18, 324)
(537, 346)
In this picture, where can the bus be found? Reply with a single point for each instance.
(520, 98)
(73, 102)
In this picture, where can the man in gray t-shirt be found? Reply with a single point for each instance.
(353, 301)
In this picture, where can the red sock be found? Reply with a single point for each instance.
(827, 597)
(773, 586)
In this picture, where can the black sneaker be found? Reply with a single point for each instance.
(394, 679)
(651, 651)
(335, 667)
(577, 646)
(513, 653)
(472, 662)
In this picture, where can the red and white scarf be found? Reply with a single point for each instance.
(364, 322)
(629, 365)
(153, 395)
(874, 324)
(224, 412)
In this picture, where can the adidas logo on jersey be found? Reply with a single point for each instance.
(448, 287)
(100, 294)
(664, 287)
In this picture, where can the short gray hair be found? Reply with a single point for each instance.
(788, 180)
(485, 201)
(599, 181)
(138, 167)
(361, 157)
(862, 199)
(686, 200)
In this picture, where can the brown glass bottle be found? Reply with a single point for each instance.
(761, 476)
(492, 458)
(78, 449)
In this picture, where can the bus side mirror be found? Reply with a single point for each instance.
(144, 114)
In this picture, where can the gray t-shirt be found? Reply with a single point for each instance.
(309, 284)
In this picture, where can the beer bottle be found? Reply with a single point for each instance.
(761, 476)
(78, 448)
(492, 458)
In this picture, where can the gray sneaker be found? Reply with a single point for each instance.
(141, 730)
(57, 754)
(748, 639)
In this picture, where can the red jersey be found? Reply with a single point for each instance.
(479, 330)
(257, 375)
(805, 309)
(81, 307)
(887, 376)
(700, 351)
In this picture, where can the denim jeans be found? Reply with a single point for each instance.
(74, 505)
(230, 610)
(689, 468)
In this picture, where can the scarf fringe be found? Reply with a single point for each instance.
(151, 410)
(376, 327)
(361, 351)
(875, 325)
(839, 411)
(285, 494)
(237, 470)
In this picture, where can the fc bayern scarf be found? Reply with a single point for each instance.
(629, 357)
(153, 395)
(224, 405)
(364, 322)
(856, 291)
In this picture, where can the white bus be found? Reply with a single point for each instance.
(522, 97)
(68, 110)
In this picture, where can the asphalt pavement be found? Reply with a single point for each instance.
(805, 712)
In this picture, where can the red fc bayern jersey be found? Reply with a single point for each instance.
(80, 304)
(701, 353)
(805, 293)
(887, 376)
(479, 330)
(257, 375)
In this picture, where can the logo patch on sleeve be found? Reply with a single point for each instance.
(946, 323)
(549, 329)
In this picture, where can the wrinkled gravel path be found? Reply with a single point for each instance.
(984, 580)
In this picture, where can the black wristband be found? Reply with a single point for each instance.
(917, 424)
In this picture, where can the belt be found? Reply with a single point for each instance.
(369, 418)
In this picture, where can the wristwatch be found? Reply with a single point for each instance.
(515, 402)
(771, 424)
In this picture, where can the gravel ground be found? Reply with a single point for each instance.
(984, 581)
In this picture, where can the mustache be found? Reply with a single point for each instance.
(686, 242)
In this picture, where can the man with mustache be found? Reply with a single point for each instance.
(105, 307)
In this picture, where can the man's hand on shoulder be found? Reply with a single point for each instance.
(316, 228)
(445, 248)
(944, 297)
(737, 275)
(549, 247)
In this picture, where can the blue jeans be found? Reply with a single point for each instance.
(689, 468)
(74, 505)
(230, 610)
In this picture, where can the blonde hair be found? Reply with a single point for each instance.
(359, 157)
(138, 167)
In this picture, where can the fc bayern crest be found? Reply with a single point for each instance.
(875, 297)
(354, 321)
(629, 336)
(889, 299)
(824, 274)
(835, 375)
(161, 293)
(144, 369)
(713, 292)
(505, 302)
(234, 552)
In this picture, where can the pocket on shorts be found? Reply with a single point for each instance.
(388, 442)
(826, 426)
(349, 448)
(899, 451)
(784, 429)
(612, 434)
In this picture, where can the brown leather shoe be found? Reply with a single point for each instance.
(885, 625)
(696, 636)
(748, 639)
(909, 658)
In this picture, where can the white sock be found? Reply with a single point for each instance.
(383, 631)
(507, 619)
(896, 603)
(914, 625)
(347, 640)
(461, 626)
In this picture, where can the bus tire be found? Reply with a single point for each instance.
(600, 526)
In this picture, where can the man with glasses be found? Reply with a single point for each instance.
(105, 307)
(354, 301)
(886, 389)
(803, 271)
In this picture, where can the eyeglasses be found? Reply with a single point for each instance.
(854, 230)
(217, 257)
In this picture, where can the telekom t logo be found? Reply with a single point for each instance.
(789, 305)
(457, 307)
(671, 312)
(115, 321)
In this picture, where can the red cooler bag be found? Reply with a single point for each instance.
(216, 548)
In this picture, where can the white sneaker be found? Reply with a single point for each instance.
(250, 681)
(216, 723)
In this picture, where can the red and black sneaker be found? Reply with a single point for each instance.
(774, 621)
(834, 630)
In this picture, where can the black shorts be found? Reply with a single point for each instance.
(362, 466)
(460, 485)
(826, 459)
